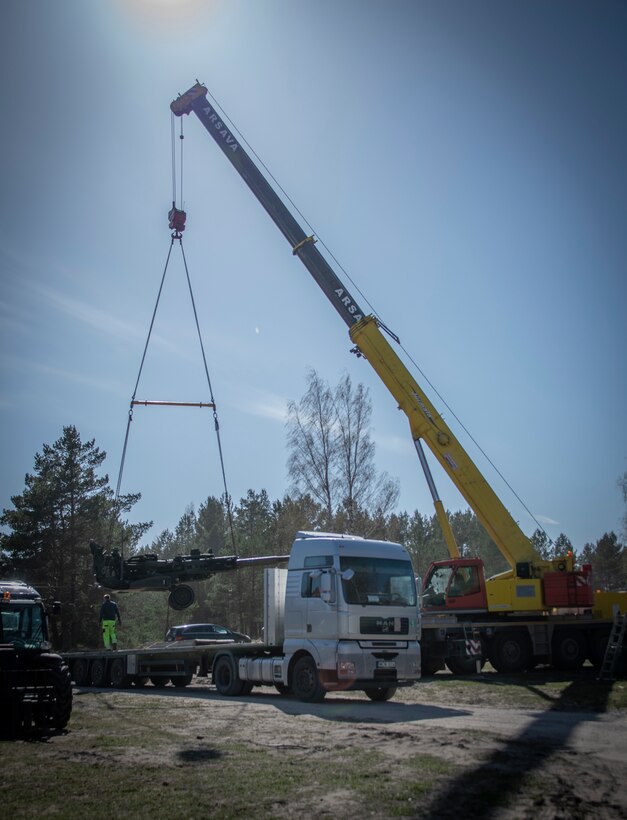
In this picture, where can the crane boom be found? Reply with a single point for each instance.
(425, 422)
(302, 245)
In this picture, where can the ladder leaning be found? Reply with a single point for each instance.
(614, 647)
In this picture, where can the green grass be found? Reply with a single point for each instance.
(117, 761)
(147, 756)
(542, 689)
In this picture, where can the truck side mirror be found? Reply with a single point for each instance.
(327, 588)
(418, 580)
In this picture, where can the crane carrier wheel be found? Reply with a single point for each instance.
(511, 651)
(568, 648)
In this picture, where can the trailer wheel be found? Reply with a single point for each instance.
(80, 672)
(568, 649)
(225, 677)
(140, 682)
(380, 694)
(117, 674)
(511, 651)
(99, 673)
(306, 681)
(159, 681)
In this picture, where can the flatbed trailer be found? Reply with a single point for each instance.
(159, 663)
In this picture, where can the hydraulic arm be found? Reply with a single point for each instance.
(425, 422)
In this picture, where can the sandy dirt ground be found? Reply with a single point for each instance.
(544, 763)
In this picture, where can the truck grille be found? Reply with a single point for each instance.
(384, 626)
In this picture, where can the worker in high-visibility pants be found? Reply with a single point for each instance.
(109, 615)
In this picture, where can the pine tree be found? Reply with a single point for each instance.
(608, 563)
(65, 503)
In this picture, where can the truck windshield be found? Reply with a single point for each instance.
(378, 581)
(22, 624)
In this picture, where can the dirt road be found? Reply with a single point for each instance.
(498, 760)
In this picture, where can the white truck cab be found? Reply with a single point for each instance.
(343, 615)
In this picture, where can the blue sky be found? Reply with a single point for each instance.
(464, 161)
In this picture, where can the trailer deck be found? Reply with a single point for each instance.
(160, 663)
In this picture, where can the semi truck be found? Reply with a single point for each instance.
(539, 610)
(342, 616)
(35, 685)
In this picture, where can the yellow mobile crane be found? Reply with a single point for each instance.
(509, 614)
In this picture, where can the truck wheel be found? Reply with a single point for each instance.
(247, 687)
(117, 674)
(11, 719)
(306, 681)
(98, 673)
(511, 651)
(568, 649)
(80, 672)
(180, 681)
(384, 693)
(225, 677)
(57, 713)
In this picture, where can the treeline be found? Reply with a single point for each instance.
(66, 502)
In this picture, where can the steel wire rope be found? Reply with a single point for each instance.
(172, 143)
(215, 412)
(116, 507)
(181, 138)
(227, 497)
(178, 236)
(376, 314)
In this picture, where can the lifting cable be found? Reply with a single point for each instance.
(177, 222)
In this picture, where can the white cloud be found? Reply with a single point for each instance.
(397, 445)
(543, 519)
(90, 315)
(264, 405)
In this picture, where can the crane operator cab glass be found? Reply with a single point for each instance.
(453, 587)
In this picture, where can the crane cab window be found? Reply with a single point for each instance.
(464, 581)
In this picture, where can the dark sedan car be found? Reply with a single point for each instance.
(213, 632)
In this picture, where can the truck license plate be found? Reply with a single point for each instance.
(386, 664)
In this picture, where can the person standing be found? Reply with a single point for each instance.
(109, 615)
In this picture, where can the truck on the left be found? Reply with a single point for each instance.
(35, 684)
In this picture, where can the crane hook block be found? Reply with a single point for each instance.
(177, 220)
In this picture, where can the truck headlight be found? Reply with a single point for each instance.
(346, 669)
